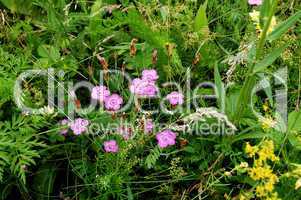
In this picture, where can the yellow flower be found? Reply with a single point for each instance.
(260, 191)
(269, 186)
(251, 151)
(298, 184)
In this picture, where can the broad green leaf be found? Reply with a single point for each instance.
(201, 21)
(269, 59)
(283, 27)
(294, 121)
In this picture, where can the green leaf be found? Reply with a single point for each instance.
(265, 10)
(269, 59)
(294, 121)
(294, 128)
(201, 21)
(96, 8)
(283, 27)
(50, 52)
(18, 6)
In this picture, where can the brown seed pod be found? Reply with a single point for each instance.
(133, 49)
(155, 56)
(105, 66)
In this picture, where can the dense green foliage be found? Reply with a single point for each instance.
(214, 40)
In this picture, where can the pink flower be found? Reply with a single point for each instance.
(148, 126)
(255, 2)
(111, 146)
(113, 102)
(64, 122)
(125, 132)
(100, 93)
(149, 75)
(175, 98)
(79, 126)
(166, 138)
(142, 87)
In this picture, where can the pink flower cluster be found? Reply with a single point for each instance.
(166, 138)
(111, 146)
(175, 98)
(100, 93)
(146, 85)
(255, 2)
(79, 125)
(112, 102)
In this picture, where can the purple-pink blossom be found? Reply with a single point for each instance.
(149, 75)
(113, 102)
(148, 126)
(79, 125)
(166, 138)
(175, 98)
(144, 88)
(255, 2)
(100, 93)
(111, 146)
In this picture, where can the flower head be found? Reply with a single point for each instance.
(149, 75)
(255, 2)
(79, 126)
(100, 93)
(113, 102)
(175, 98)
(64, 122)
(111, 146)
(166, 138)
(142, 87)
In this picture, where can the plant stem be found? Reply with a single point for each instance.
(246, 90)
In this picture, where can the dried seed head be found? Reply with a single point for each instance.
(197, 59)
(169, 47)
